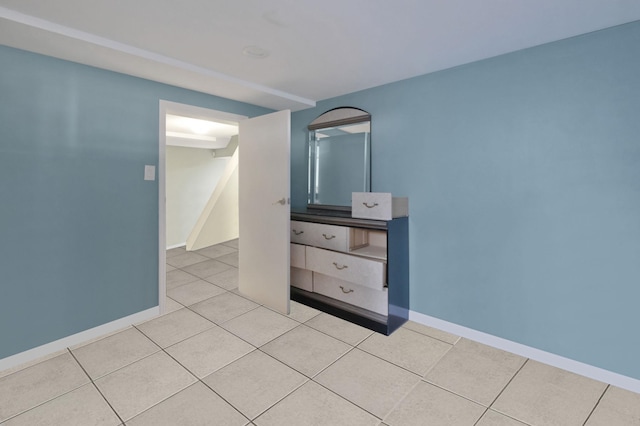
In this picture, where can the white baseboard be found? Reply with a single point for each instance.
(176, 246)
(548, 358)
(75, 339)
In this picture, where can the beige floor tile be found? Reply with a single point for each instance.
(169, 329)
(367, 381)
(39, 383)
(169, 268)
(339, 328)
(31, 363)
(81, 407)
(186, 259)
(178, 277)
(475, 371)
(224, 307)
(414, 351)
(254, 383)
(429, 405)
(227, 279)
(305, 349)
(100, 337)
(229, 259)
(216, 251)
(176, 251)
(207, 268)
(139, 386)
(492, 418)
(171, 305)
(617, 407)
(194, 292)
(209, 351)
(196, 405)
(313, 405)
(543, 395)
(116, 351)
(300, 312)
(237, 292)
(259, 325)
(233, 243)
(432, 332)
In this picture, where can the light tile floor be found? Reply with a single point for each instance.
(217, 358)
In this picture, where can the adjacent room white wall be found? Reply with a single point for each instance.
(219, 220)
(191, 176)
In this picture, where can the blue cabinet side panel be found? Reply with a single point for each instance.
(398, 267)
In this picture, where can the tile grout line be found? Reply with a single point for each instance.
(237, 409)
(397, 404)
(454, 393)
(504, 389)
(50, 399)
(508, 383)
(481, 416)
(344, 398)
(596, 404)
(96, 386)
(223, 398)
(327, 334)
(421, 376)
(208, 258)
(307, 380)
(199, 380)
(316, 374)
(428, 335)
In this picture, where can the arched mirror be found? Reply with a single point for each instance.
(339, 157)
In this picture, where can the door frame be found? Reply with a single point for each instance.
(168, 107)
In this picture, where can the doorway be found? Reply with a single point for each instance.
(169, 109)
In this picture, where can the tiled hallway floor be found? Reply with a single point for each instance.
(217, 358)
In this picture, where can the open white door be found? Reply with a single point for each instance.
(264, 186)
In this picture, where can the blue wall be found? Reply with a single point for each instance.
(523, 178)
(78, 225)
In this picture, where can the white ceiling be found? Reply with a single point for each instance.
(192, 132)
(318, 49)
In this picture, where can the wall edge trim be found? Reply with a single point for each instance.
(544, 357)
(42, 351)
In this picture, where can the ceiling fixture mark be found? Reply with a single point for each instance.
(256, 52)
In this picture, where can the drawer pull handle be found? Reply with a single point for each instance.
(328, 237)
(370, 206)
(339, 267)
(297, 232)
(346, 291)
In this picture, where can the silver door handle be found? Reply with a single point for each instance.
(339, 267)
(370, 206)
(297, 232)
(328, 237)
(346, 291)
(281, 201)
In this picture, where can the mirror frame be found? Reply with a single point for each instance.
(339, 116)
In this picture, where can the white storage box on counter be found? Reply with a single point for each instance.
(378, 205)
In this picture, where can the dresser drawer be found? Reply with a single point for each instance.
(320, 235)
(301, 278)
(354, 294)
(378, 205)
(367, 272)
(298, 256)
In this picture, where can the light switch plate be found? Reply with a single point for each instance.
(149, 172)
